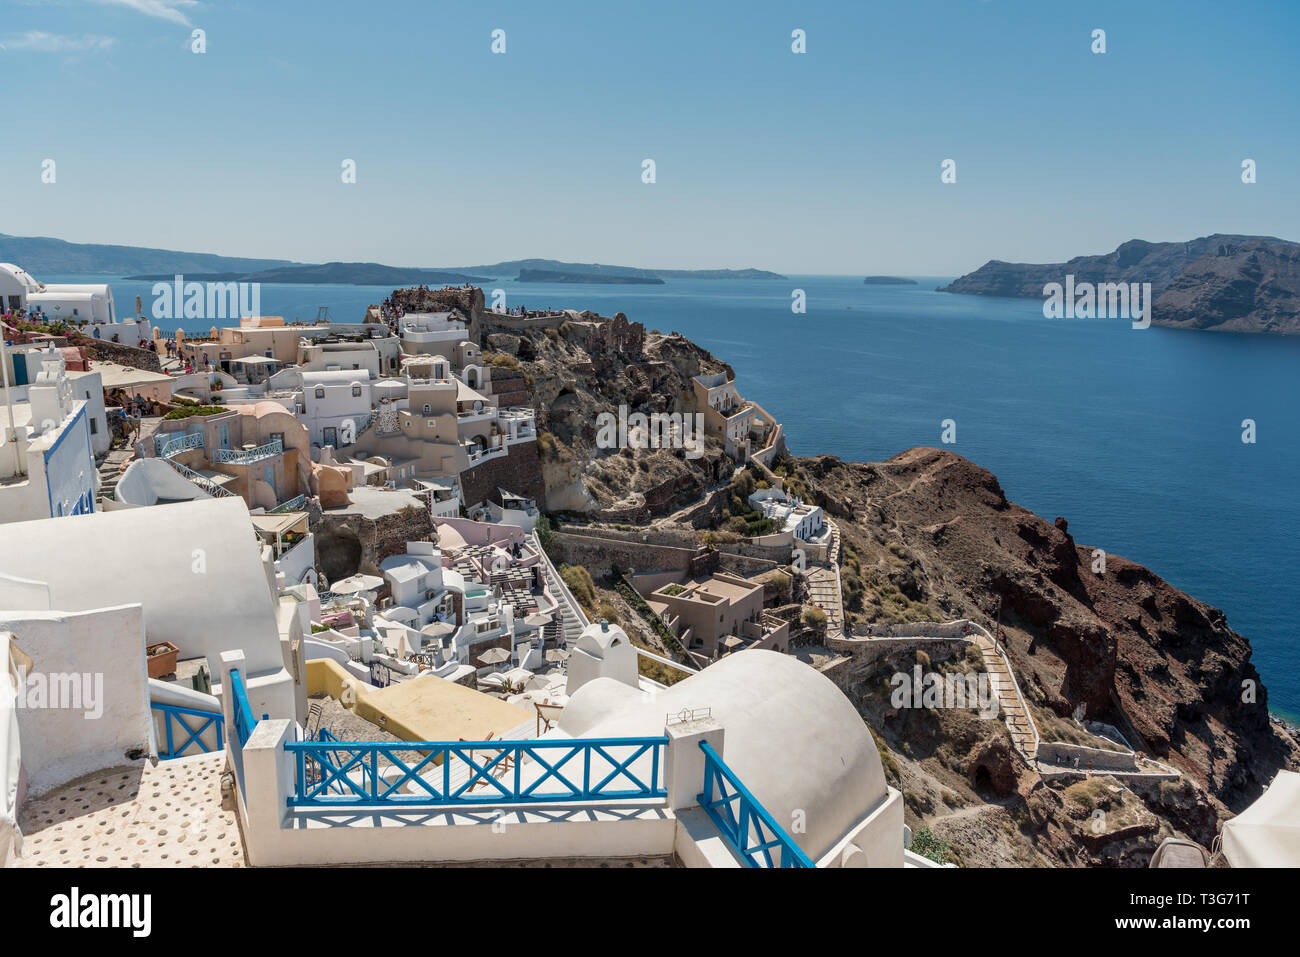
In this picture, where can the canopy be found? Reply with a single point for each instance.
(357, 583)
(1267, 834)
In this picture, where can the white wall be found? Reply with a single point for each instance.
(90, 387)
(59, 744)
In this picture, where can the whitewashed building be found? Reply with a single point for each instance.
(47, 462)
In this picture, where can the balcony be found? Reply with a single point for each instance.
(169, 444)
(248, 456)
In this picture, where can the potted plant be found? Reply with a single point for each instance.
(162, 659)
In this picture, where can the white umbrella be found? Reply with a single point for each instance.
(357, 583)
(494, 656)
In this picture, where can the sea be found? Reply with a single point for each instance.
(1133, 435)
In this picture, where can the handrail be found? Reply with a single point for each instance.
(169, 443)
(597, 773)
(175, 713)
(290, 506)
(212, 488)
(553, 577)
(245, 457)
(244, 720)
(744, 826)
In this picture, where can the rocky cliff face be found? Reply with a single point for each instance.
(1256, 288)
(1118, 645)
(1230, 282)
(587, 367)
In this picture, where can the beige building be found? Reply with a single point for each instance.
(744, 428)
(260, 452)
(715, 616)
(270, 337)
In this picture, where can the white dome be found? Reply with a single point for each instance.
(790, 735)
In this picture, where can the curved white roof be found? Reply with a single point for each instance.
(792, 737)
(20, 276)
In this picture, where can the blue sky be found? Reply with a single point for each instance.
(825, 162)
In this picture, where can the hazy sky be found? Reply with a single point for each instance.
(824, 162)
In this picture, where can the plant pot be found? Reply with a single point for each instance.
(162, 659)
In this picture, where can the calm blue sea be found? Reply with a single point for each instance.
(1134, 436)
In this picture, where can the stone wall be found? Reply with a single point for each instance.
(350, 543)
(519, 472)
(1058, 752)
(122, 355)
(599, 555)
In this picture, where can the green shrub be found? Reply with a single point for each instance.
(192, 410)
(814, 617)
(578, 580)
(927, 845)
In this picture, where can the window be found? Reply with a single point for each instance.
(356, 392)
(94, 427)
(320, 392)
(427, 408)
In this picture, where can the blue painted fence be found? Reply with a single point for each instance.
(244, 720)
(747, 826)
(191, 723)
(333, 773)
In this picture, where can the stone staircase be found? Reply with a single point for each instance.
(571, 619)
(110, 473)
(824, 590)
(1010, 703)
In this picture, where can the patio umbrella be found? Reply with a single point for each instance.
(438, 629)
(557, 655)
(538, 619)
(357, 583)
(494, 656)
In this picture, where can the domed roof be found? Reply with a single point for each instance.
(792, 737)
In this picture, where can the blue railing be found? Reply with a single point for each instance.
(245, 457)
(174, 722)
(332, 773)
(748, 827)
(290, 506)
(169, 444)
(244, 720)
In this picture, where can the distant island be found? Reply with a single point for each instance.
(354, 274)
(1222, 282)
(513, 267)
(44, 255)
(888, 281)
(546, 275)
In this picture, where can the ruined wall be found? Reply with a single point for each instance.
(350, 543)
(519, 472)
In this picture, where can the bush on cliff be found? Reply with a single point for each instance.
(578, 580)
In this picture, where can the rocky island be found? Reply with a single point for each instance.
(546, 275)
(1222, 282)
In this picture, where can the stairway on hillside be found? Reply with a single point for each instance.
(1009, 700)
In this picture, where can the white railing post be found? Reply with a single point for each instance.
(684, 759)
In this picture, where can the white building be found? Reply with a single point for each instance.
(432, 333)
(798, 520)
(76, 303)
(336, 405)
(47, 461)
